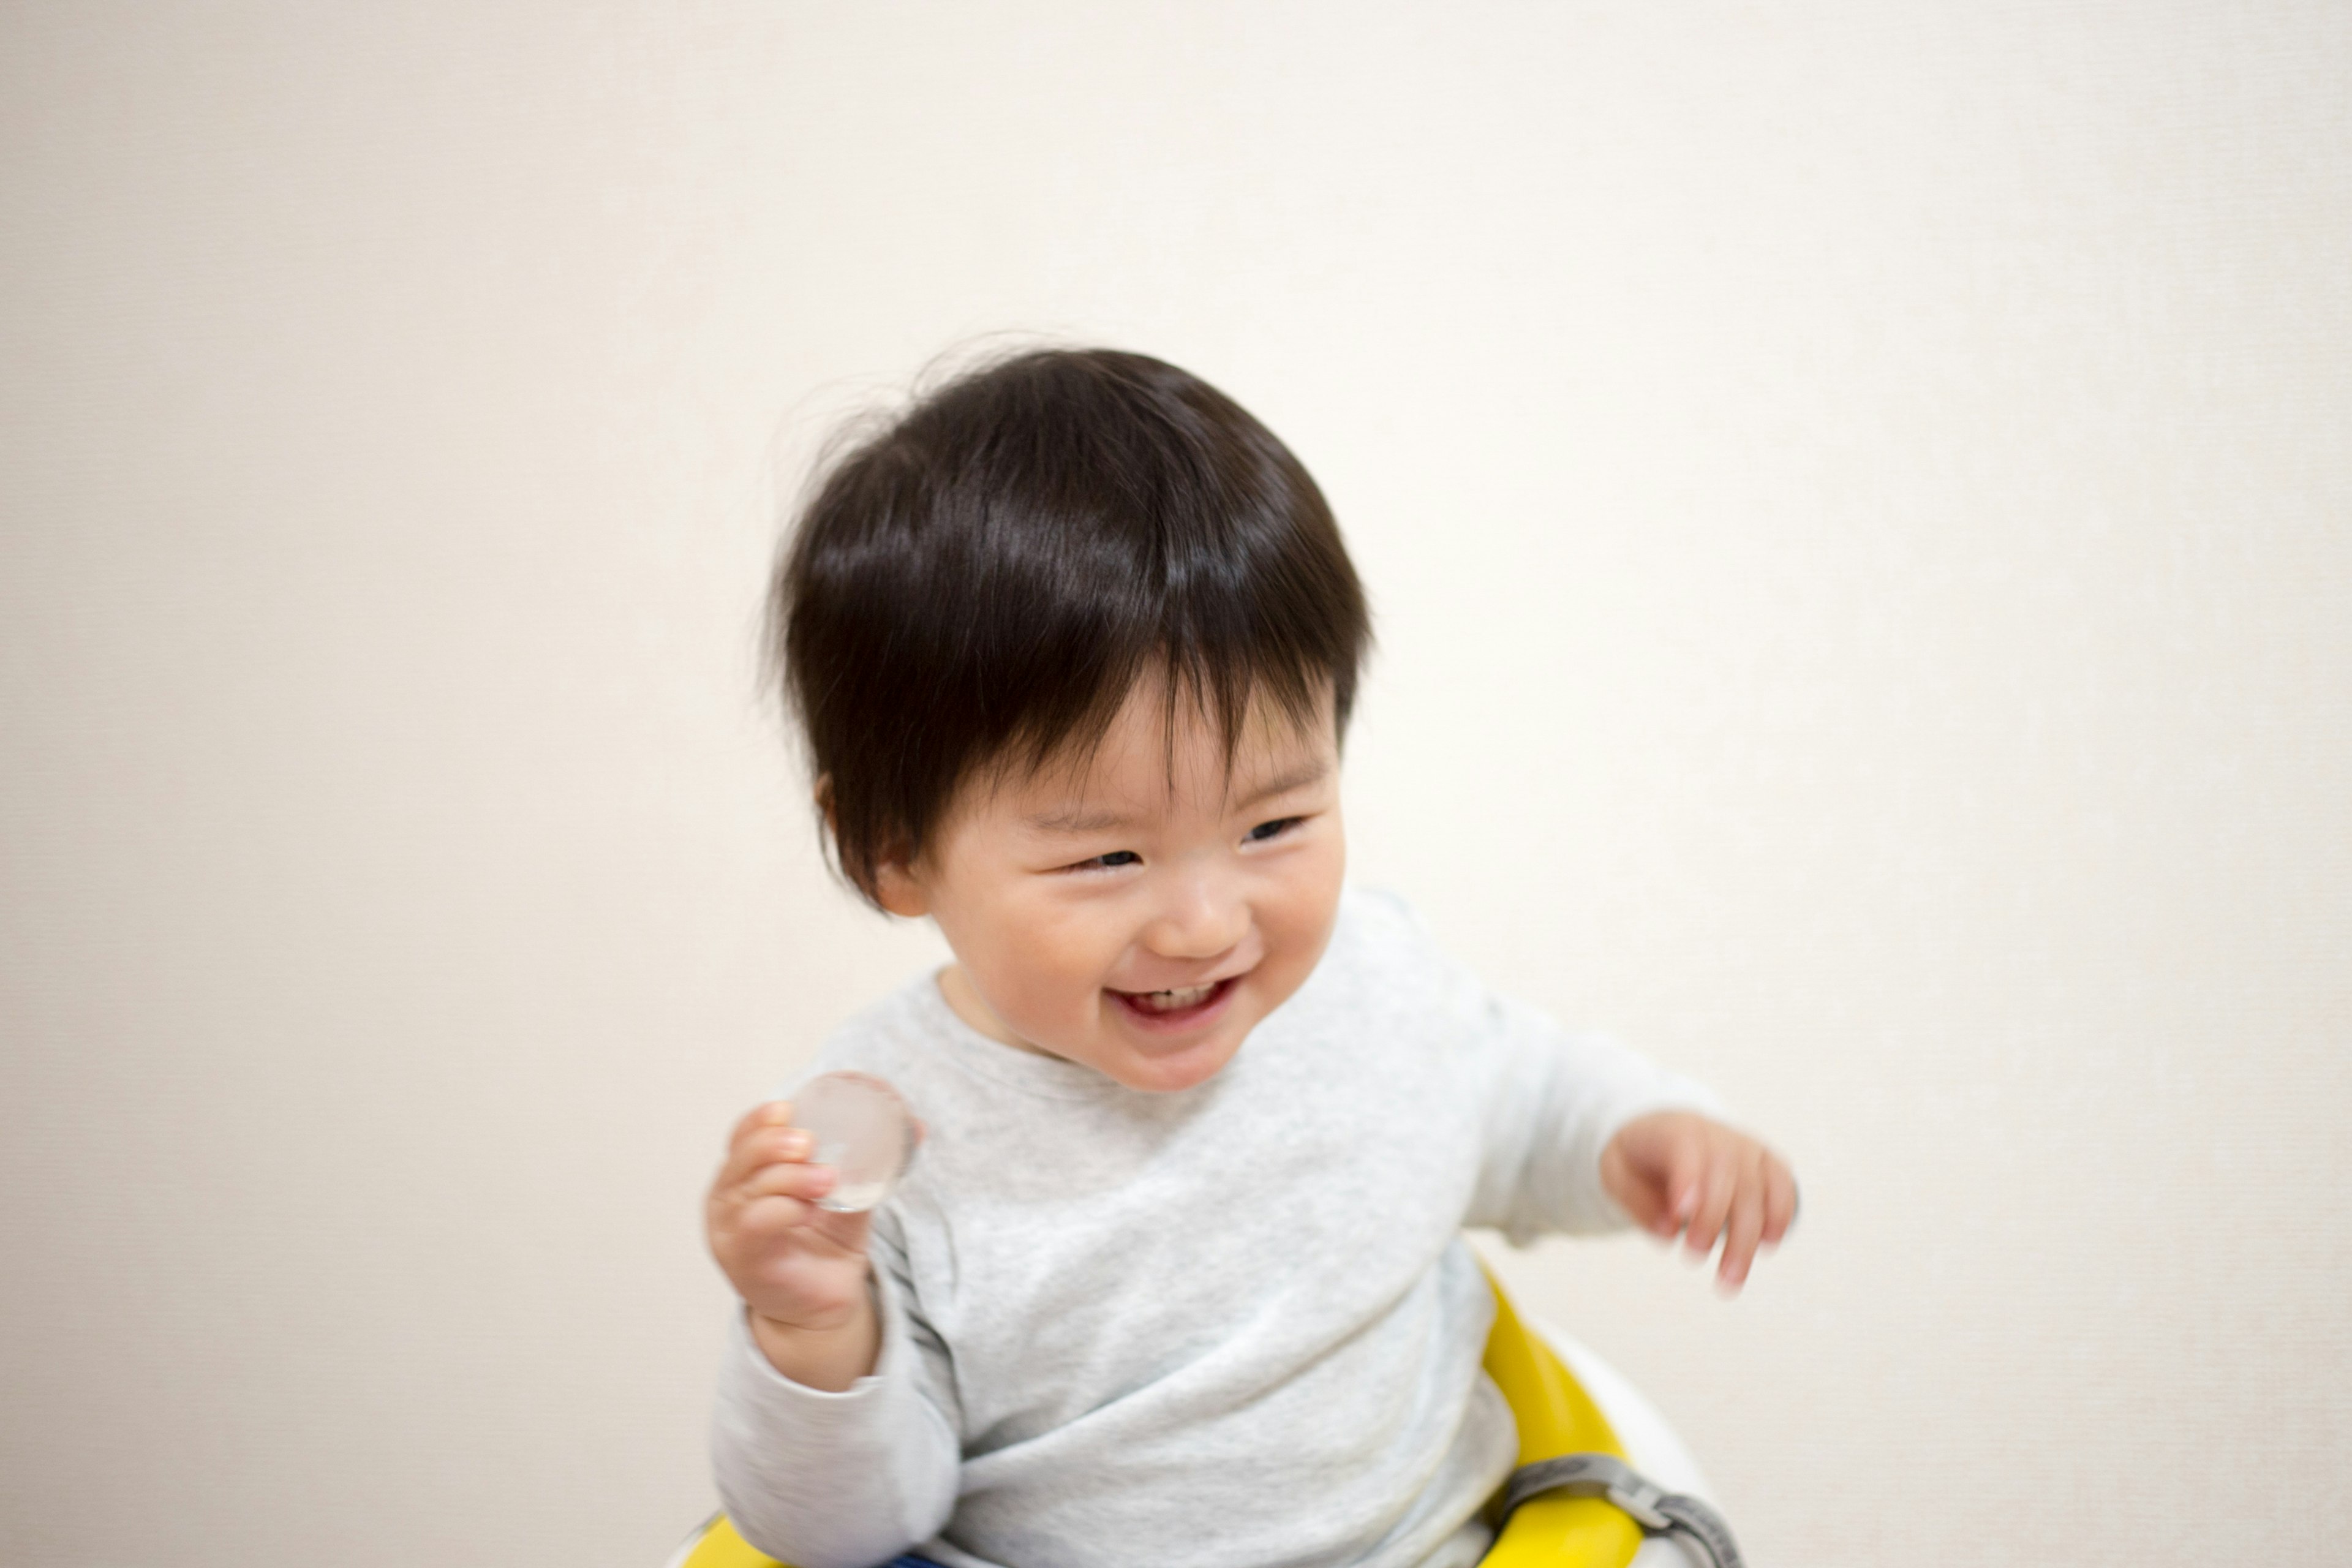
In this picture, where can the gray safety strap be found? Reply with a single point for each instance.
(1658, 1511)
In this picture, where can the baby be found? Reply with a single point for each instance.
(1178, 1275)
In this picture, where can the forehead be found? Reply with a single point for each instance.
(1162, 753)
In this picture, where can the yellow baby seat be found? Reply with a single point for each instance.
(1574, 1502)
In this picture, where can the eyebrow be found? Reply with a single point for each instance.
(1081, 819)
(1078, 820)
(1299, 778)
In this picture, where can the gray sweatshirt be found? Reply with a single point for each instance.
(1232, 1325)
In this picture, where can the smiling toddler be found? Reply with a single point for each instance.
(1179, 1277)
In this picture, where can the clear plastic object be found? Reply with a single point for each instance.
(862, 1128)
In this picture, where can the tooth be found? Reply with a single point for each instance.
(1171, 1000)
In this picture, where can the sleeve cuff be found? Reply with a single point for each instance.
(1678, 1093)
(813, 1404)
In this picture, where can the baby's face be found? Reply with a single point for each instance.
(1141, 913)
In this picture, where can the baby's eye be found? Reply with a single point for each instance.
(1105, 862)
(1274, 829)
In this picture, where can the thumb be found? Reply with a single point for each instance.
(846, 1230)
(1654, 1173)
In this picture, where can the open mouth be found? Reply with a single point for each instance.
(1177, 1008)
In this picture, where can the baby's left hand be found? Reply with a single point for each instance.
(1677, 1173)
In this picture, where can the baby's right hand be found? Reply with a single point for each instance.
(795, 1264)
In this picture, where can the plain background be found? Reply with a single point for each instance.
(1856, 498)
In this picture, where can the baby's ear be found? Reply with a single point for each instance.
(897, 889)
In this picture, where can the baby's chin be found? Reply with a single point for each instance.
(1174, 1074)
(1139, 1061)
(1165, 1065)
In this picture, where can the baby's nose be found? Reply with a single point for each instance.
(1201, 920)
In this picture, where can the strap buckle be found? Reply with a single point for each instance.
(1657, 1510)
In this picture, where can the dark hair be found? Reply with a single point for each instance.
(986, 579)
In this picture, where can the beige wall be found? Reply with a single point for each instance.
(1857, 498)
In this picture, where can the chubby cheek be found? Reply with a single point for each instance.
(1297, 924)
(1291, 952)
(1049, 984)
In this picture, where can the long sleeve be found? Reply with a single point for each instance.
(1122, 1326)
(1554, 1098)
(836, 1480)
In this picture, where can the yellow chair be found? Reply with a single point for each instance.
(1556, 1417)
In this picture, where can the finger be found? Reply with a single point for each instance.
(762, 1147)
(763, 1219)
(779, 1224)
(1685, 1183)
(1745, 1228)
(749, 1128)
(1646, 1203)
(794, 1180)
(1656, 1174)
(1715, 1189)
(845, 1232)
(767, 1114)
(1643, 1200)
(1779, 1199)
